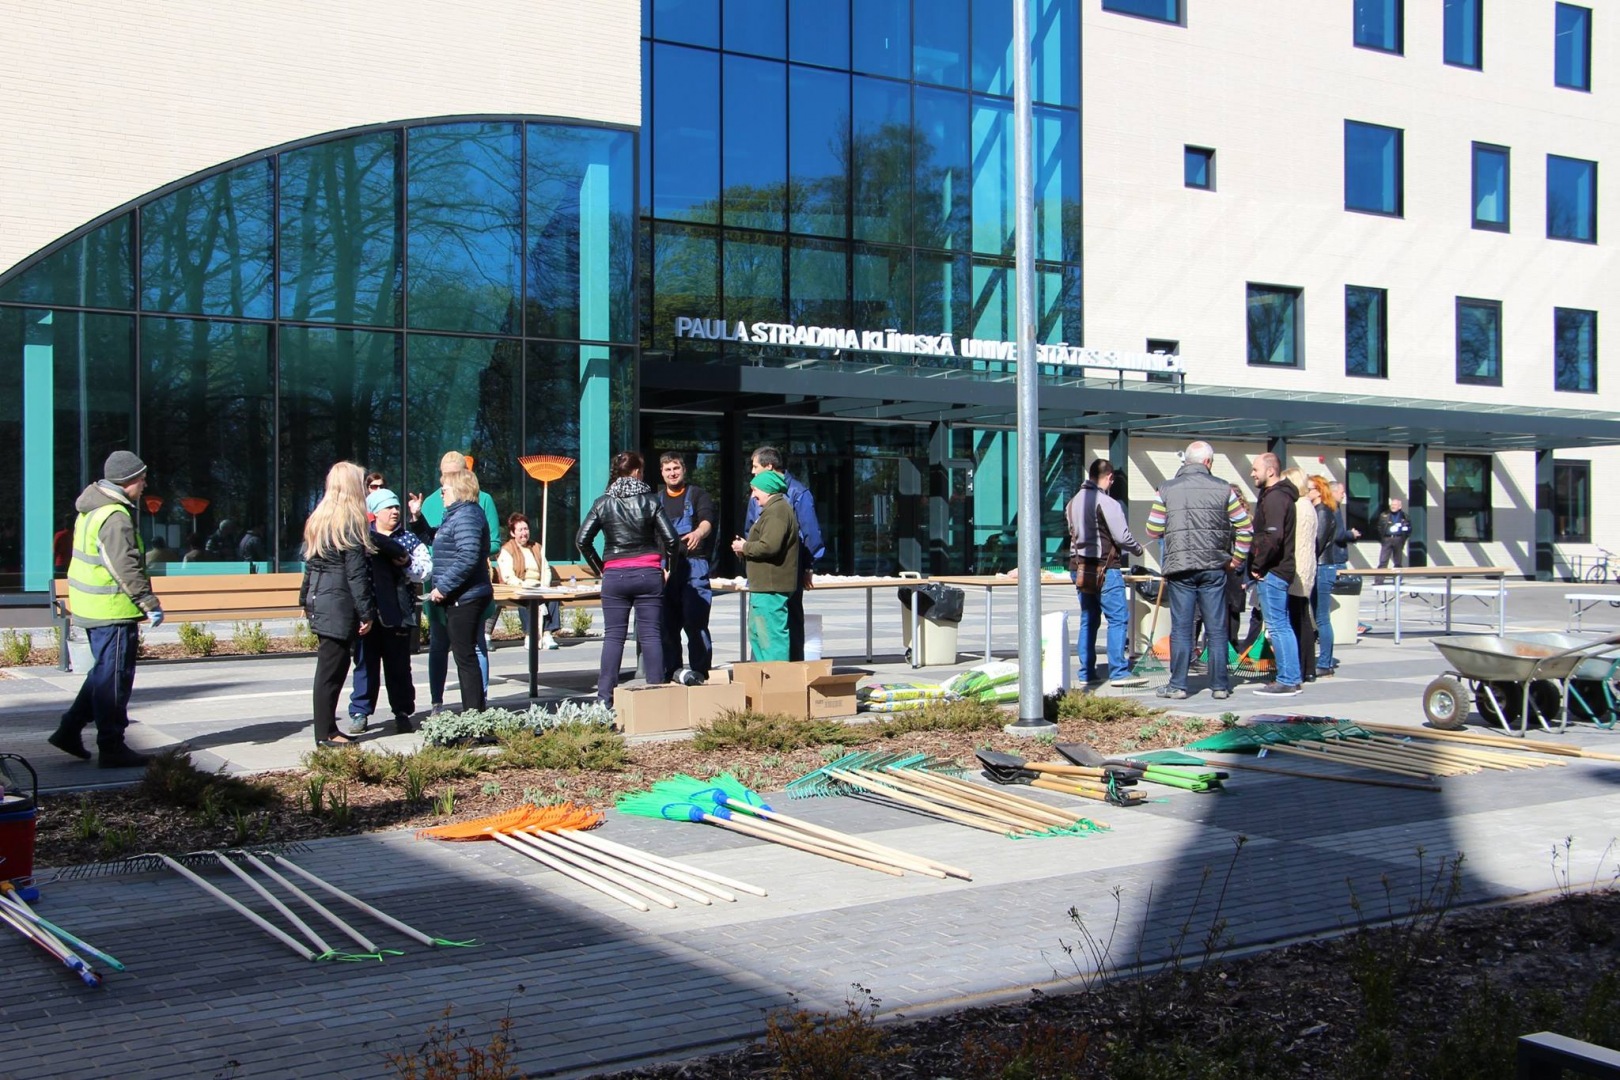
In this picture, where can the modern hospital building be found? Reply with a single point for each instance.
(251, 239)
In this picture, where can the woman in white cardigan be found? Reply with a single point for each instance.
(1300, 615)
(522, 563)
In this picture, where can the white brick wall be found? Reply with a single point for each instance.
(106, 100)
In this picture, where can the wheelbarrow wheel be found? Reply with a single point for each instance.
(1445, 703)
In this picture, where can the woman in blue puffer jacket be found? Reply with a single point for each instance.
(461, 578)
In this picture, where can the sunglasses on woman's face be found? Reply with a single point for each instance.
(374, 487)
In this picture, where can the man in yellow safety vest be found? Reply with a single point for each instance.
(109, 594)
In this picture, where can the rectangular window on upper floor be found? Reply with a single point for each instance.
(1372, 168)
(1571, 199)
(1490, 187)
(1366, 331)
(1198, 167)
(1575, 350)
(1379, 24)
(1465, 34)
(1274, 319)
(1162, 10)
(1479, 341)
(1572, 47)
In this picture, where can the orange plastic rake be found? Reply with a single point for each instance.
(545, 468)
(523, 819)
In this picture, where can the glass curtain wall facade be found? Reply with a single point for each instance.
(850, 164)
(381, 296)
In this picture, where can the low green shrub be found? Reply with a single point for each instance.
(16, 647)
(570, 746)
(968, 714)
(579, 621)
(1103, 710)
(748, 730)
(448, 729)
(303, 637)
(250, 638)
(172, 779)
(197, 640)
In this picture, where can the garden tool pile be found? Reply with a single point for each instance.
(932, 786)
(558, 838)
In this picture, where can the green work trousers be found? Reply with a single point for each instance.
(768, 625)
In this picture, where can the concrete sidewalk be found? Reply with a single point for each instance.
(592, 985)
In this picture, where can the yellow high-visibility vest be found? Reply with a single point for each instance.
(93, 592)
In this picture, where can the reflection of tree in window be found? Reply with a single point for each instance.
(340, 242)
(205, 249)
(1575, 349)
(1271, 320)
(1479, 342)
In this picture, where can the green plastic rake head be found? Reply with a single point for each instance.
(820, 783)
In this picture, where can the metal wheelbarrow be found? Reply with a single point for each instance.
(1510, 678)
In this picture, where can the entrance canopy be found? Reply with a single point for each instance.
(984, 396)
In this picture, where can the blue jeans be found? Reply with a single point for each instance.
(439, 657)
(1205, 590)
(1273, 592)
(1326, 575)
(104, 697)
(1109, 604)
(687, 602)
(386, 651)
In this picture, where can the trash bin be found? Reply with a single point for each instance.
(1346, 611)
(939, 617)
(19, 802)
(1056, 653)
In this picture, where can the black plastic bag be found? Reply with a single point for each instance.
(942, 603)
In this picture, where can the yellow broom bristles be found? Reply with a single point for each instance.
(525, 818)
(546, 467)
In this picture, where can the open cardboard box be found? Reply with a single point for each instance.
(779, 686)
(644, 710)
(833, 695)
(705, 702)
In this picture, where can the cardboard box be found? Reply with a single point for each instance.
(780, 687)
(833, 695)
(643, 710)
(704, 703)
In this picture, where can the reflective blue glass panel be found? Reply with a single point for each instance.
(1571, 199)
(208, 415)
(1378, 24)
(818, 152)
(96, 270)
(882, 35)
(942, 170)
(992, 47)
(1479, 341)
(882, 289)
(818, 32)
(939, 54)
(882, 160)
(685, 272)
(576, 403)
(1572, 47)
(1464, 34)
(1057, 184)
(340, 242)
(754, 143)
(994, 194)
(818, 283)
(754, 284)
(1575, 350)
(340, 397)
(1372, 168)
(645, 173)
(686, 134)
(1162, 10)
(1366, 331)
(465, 393)
(206, 249)
(755, 26)
(695, 22)
(1054, 29)
(464, 227)
(1273, 324)
(944, 297)
(994, 300)
(581, 227)
(1198, 167)
(1490, 185)
(1058, 307)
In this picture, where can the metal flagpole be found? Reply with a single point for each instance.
(1031, 714)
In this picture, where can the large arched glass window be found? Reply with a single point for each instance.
(379, 295)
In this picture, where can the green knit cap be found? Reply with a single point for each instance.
(771, 483)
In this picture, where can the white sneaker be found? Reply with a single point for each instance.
(548, 642)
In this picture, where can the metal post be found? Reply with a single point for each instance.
(1031, 711)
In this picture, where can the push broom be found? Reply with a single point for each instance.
(10, 897)
(51, 945)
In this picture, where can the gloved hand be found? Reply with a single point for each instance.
(156, 616)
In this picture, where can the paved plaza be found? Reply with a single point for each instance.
(592, 985)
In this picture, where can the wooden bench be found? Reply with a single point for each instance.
(206, 597)
(1582, 602)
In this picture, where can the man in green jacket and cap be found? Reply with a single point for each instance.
(109, 594)
(772, 555)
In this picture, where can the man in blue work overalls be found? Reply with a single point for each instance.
(686, 592)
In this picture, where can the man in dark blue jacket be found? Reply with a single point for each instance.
(811, 548)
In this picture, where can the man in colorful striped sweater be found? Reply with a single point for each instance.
(1206, 531)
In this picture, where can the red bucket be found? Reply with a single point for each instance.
(18, 811)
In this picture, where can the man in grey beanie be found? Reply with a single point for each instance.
(109, 594)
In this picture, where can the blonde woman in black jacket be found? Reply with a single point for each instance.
(336, 593)
(638, 540)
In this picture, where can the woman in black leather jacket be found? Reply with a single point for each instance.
(336, 593)
(637, 542)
